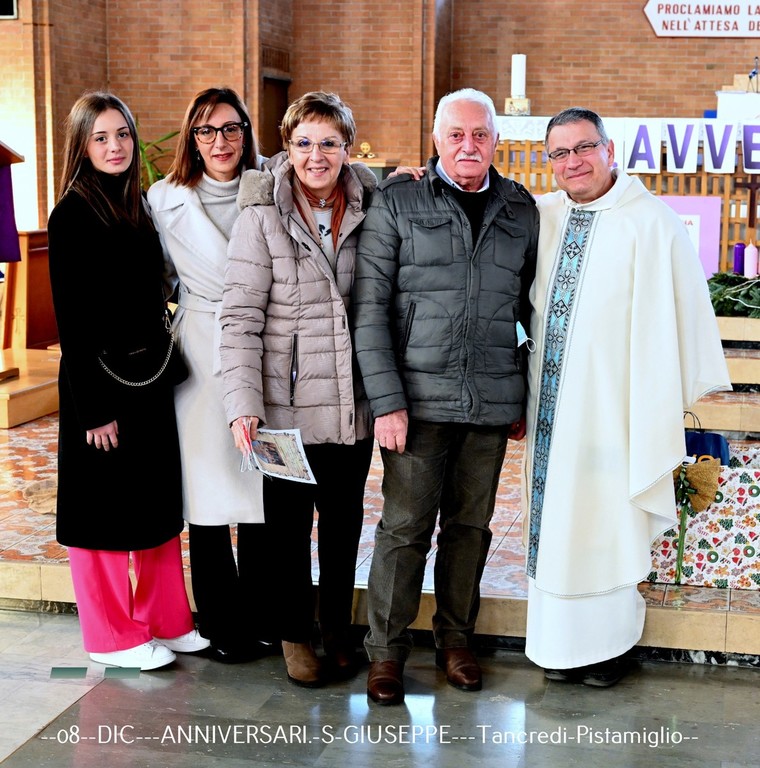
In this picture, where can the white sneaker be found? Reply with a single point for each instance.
(150, 655)
(190, 642)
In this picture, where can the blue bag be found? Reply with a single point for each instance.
(701, 443)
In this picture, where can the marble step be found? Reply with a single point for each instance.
(739, 328)
(743, 365)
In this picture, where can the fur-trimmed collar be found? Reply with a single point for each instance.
(257, 187)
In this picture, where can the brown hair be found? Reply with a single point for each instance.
(318, 106)
(79, 175)
(187, 168)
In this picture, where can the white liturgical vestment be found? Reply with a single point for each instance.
(626, 340)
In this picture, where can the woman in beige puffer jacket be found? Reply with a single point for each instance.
(288, 362)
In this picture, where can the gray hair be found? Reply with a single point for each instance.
(465, 94)
(576, 115)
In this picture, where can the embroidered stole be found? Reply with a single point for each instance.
(558, 316)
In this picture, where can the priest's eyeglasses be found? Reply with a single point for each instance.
(582, 150)
(206, 134)
(326, 146)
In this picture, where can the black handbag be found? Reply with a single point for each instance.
(152, 361)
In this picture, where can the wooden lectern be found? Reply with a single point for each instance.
(28, 368)
(10, 251)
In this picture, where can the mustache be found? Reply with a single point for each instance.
(463, 155)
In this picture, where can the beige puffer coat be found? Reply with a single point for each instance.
(286, 349)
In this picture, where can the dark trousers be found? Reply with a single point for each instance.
(233, 599)
(338, 496)
(454, 469)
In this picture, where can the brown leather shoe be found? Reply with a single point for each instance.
(461, 668)
(385, 682)
(304, 667)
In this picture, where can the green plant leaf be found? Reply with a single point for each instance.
(734, 295)
(150, 153)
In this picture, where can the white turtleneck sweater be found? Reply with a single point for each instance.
(218, 200)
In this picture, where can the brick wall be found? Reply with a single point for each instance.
(161, 54)
(277, 54)
(158, 60)
(47, 57)
(604, 56)
(370, 54)
(444, 12)
(78, 61)
(390, 61)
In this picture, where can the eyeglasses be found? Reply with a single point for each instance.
(326, 146)
(582, 150)
(206, 134)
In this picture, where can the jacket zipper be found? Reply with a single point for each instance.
(293, 369)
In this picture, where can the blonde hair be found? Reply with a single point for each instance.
(318, 106)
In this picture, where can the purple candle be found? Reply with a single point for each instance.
(739, 258)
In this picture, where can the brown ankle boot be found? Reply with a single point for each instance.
(304, 668)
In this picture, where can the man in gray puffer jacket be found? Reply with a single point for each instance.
(440, 299)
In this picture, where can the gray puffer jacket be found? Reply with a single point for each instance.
(286, 348)
(435, 318)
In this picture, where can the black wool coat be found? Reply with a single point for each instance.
(107, 289)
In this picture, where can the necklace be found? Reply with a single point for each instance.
(322, 202)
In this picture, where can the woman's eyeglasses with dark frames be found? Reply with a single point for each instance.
(206, 134)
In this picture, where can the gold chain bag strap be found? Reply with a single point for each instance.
(158, 360)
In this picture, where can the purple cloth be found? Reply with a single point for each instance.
(9, 247)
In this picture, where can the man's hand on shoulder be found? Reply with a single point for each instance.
(415, 171)
(391, 429)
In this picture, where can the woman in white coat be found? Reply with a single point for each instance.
(194, 210)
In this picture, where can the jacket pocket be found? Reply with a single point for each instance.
(502, 356)
(431, 241)
(426, 337)
(407, 329)
(511, 242)
(293, 368)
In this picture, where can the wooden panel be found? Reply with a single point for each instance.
(29, 320)
(739, 329)
(525, 161)
(34, 392)
(743, 365)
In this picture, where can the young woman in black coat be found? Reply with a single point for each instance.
(119, 478)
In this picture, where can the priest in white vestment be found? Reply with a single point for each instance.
(626, 340)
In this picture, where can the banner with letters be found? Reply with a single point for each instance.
(690, 143)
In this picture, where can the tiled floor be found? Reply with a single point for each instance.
(700, 715)
(34, 572)
(28, 468)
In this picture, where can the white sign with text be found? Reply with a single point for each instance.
(704, 19)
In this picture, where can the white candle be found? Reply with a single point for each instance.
(518, 75)
(750, 261)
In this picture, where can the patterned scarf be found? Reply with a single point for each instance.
(305, 200)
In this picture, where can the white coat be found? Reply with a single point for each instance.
(215, 491)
